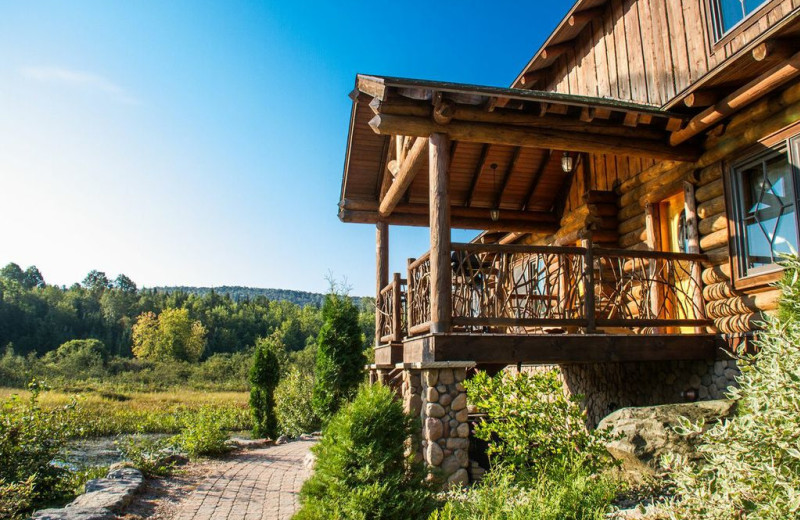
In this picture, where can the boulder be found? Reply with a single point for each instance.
(642, 435)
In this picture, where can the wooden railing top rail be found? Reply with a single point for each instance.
(661, 255)
(390, 286)
(419, 261)
(598, 251)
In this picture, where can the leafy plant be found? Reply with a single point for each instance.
(532, 424)
(148, 455)
(203, 434)
(558, 493)
(362, 469)
(340, 356)
(293, 403)
(264, 377)
(751, 462)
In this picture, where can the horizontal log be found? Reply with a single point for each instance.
(458, 222)
(604, 236)
(713, 223)
(716, 239)
(710, 191)
(633, 238)
(459, 211)
(744, 304)
(711, 207)
(531, 137)
(774, 50)
(717, 256)
(644, 193)
(758, 112)
(629, 211)
(709, 174)
(718, 291)
(740, 322)
(633, 223)
(701, 98)
(717, 273)
(647, 175)
(585, 16)
(600, 197)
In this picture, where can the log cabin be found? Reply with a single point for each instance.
(633, 189)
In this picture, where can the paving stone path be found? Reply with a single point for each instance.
(260, 484)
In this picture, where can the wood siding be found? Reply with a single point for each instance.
(650, 51)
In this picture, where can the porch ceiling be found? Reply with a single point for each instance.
(506, 149)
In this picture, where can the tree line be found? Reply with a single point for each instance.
(36, 318)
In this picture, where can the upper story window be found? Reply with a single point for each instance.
(765, 210)
(729, 13)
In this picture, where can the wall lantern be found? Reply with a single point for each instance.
(567, 162)
(494, 213)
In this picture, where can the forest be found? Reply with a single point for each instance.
(39, 323)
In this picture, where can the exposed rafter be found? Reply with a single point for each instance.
(405, 176)
(476, 176)
(536, 178)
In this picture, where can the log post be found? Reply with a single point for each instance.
(439, 200)
(588, 281)
(693, 247)
(397, 332)
(409, 297)
(381, 271)
(656, 292)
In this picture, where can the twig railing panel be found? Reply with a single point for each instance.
(391, 309)
(533, 289)
(419, 295)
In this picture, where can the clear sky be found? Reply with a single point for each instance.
(202, 143)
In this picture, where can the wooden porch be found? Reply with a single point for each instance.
(531, 304)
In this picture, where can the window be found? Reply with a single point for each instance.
(729, 13)
(765, 209)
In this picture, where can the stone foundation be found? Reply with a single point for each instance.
(606, 387)
(435, 393)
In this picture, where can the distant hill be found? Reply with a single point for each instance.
(238, 293)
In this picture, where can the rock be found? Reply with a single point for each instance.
(77, 513)
(446, 376)
(445, 399)
(414, 404)
(177, 459)
(695, 381)
(463, 430)
(434, 429)
(434, 410)
(457, 443)
(283, 439)
(463, 457)
(450, 465)
(462, 415)
(459, 374)
(646, 433)
(731, 373)
(460, 402)
(460, 387)
(431, 395)
(458, 479)
(431, 377)
(244, 444)
(719, 366)
(442, 389)
(309, 461)
(433, 454)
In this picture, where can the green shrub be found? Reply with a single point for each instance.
(340, 356)
(31, 442)
(264, 377)
(16, 497)
(293, 403)
(751, 462)
(558, 493)
(532, 424)
(362, 471)
(147, 454)
(204, 434)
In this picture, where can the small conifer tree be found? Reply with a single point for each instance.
(340, 356)
(264, 377)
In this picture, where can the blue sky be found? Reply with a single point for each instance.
(202, 143)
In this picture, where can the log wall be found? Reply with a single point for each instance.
(649, 51)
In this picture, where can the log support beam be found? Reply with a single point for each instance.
(405, 176)
(381, 269)
(439, 201)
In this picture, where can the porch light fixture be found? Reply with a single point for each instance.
(494, 213)
(567, 162)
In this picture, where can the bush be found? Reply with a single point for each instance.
(148, 455)
(31, 440)
(293, 403)
(532, 425)
(559, 493)
(751, 462)
(264, 377)
(362, 471)
(204, 434)
(340, 356)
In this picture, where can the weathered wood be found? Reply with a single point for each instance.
(645, 176)
(711, 207)
(693, 246)
(585, 16)
(537, 177)
(533, 137)
(634, 237)
(457, 222)
(405, 176)
(439, 198)
(742, 97)
(532, 78)
(745, 304)
(397, 307)
(774, 50)
(512, 164)
(716, 256)
(740, 322)
(477, 174)
(711, 190)
(717, 273)
(713, 223)
(709, 174)
(381, 269)
(561, 348)
(718, 291)
(443, 112)
(701, 98)
(456, 211)
(555, 50)
(716, 239)
(631, 224)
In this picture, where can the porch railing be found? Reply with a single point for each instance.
(542, 289)
(391, 309)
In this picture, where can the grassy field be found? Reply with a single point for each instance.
(103, 413)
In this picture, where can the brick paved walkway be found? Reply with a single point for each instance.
(260, 484)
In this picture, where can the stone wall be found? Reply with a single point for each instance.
(606, 387)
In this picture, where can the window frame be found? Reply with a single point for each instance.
(718, 36)
(783, 142)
